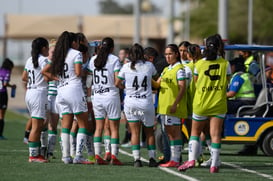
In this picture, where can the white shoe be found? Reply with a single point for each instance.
(81, 160)
(208, 163)
(67, 160)
(126, 145)
(25, 141)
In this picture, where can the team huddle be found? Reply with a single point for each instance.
(65, 83)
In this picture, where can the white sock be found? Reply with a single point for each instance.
(34, 148)
(107, 144)
(73, 145)
(136, 154)
(43, 138)
(193, 149)
(97, 146)
(65, 142)
(151, 153)
(114, 149)
(90, 145)
(51, 142)
(81, 142)
(215, 154)
(176, 152)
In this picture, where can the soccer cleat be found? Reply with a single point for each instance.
(137, 163)
(126, 145)
(186, 165)
(67, 160)
(37, 159)
(208, 163)
(199, 161)
(100, 161)
(214, 169)
(50, 155)
(152, 163)
(3, 138)
(115, 161)
(25, 140)
(81, 160)
(107, 156)
(170, 164)
(43, 151)
(91, 159)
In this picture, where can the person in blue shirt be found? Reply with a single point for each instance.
(241, 90)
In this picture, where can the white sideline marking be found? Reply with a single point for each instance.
(247, 170)
(164, 169)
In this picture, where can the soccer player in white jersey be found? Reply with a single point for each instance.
(53, 115)
(36, 95)
(66, 67)
(138, 103)
(104, 68)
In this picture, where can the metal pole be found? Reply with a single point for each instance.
(187, 21)
(250, 21)
(222, 18)
(5, 39)
(137, 21)
(170, 37)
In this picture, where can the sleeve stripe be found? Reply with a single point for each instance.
(120, 77)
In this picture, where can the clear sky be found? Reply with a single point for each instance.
(19, 50)
(60, 7)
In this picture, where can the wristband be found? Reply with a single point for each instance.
(88, 99)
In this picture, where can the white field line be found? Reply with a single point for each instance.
(164, 169)
(270, 177)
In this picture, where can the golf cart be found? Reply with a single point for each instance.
(252, 124)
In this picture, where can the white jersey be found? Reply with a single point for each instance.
(35, 77)
(188, 74)
(69, 77)
(104, 79)
(138, 83)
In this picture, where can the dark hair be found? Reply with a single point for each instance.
(136, 53)
(195, 51)
(221, 45)
(126, 50)
(185, 44)
(107, 46)
(83, 48)
(7, 64)
(81, 37)
(36, 49)
(175, 49)
(150, 51)
(238, 62)
(62, 47)
(212, 47)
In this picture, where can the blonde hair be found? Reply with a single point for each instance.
(52, 42)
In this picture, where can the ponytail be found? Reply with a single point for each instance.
(36, 49)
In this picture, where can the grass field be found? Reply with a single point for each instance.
(14, 164)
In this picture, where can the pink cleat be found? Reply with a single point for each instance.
(115, 161)
(37, 159)
(107, 156)
(186, 165)
(214, 169)
(170, 164)
(100, 161)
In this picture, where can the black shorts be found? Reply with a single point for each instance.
(3, 100)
